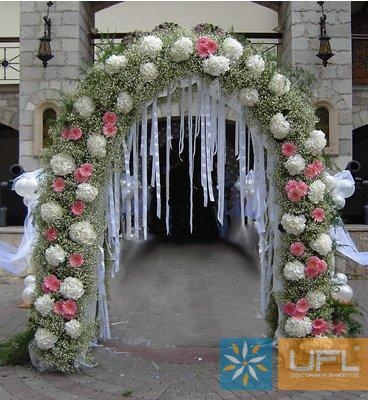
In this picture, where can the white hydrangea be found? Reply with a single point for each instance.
(256, 65)
(248, 97)
(72, 288)
(279, 84)
(279, 126)
(317, 191)
(73, 328)
(298, 327)
(44, 304)
(151, 46)
(62, 164)
(83, 233)
(293, 271)
(86, 192)
(293, 224)
(55, 255)
(316, 299)
(84, 106)
(329, 180)
(232, 49)
(182, 49)
(322, 245)
(114, 63)
(51, 212)
(45, 339)
(216, 65)
(124, 102)
(148, 72)
(295, 165)
(315, 143)
(96, 145)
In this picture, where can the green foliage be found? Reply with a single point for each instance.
(350, 314)
(127, 393)
(14, 351)
(272, 316)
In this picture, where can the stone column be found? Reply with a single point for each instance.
(299, 21)
(71, 24)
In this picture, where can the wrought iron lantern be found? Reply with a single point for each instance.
(44, 51)
(324, 52)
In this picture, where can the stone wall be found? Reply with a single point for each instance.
(360, 105)
(9, 105)
(299, 21)
(71, 24)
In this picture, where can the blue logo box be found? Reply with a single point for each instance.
(246, 364)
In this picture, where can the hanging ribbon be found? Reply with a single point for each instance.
(209, 142)
(144, 169)
(136, 181)
(204, 180)
(168, 148)
(221, 160)
(156, 158)
(117, 202)
(242, 161)
(190, 151)
(103, 312)
(182, 117)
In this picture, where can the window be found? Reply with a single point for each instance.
(44, 115)
(323, 124)
(327, 122)
(49, 116)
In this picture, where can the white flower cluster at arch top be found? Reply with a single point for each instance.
(99, 113)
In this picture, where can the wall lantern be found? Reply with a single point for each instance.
(44, 51)
(324, 52)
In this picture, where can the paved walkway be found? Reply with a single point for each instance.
(162, 364)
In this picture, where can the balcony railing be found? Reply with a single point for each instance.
(9, 59)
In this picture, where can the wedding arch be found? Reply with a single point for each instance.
(78, 215)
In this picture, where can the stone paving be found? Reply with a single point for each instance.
(125, 370)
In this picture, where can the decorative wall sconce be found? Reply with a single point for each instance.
(324, 52)
(44, 51)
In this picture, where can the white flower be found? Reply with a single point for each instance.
(298, 327)
(315, 143)
(96, 145)
(86, 192)
(84, 106)
(72, 288)
(322, 245)
(279, 126)
(294, 271)
(216, 65)
(293, 224)
(44, 304)
(248, 97)
(295, 164)
(55, 255)
(151, 46)
(256, 65)
(316, 299)
(232, 49)
(51, 212)
(62, 164)
(73, 328)
(329, 180)
(279, 84)
(124, 102)
(182, 49)
(316, 191)
(82, 233)
(45, 339)
(148, 72)
(114, 63)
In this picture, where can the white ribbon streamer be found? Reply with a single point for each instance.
(168, 149)
(144, 169)
(103, 312)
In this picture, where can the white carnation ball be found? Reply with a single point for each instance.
(248, 97)
(84, 106)
(316, 299)
(55, 255)
(295, 165)
(315, 143)
(317, 191)
(293, 271)
(148, 72)
(44, 304)
(124, 102)
(232, 49)
(72, 288)
(298, 327)
(86, 192)
(151, 46)
(73, 328)
(96, 145)
(114, 63)
(62, 164)
(51, 212)
(322, 245)
(293, 224)
(279, 84)
(279, 126)
(45, 339)
(256, 65)
(216, 65)
(83, 233)
(182, 49)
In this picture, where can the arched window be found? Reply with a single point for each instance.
(44, 115)
(49, 116)
(327, 122)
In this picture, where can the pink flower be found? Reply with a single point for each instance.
(339, 328)
(50, 284)
(51, 234)
(65, 134)
(303, 187)
(315, 266)
(318, 214)
(289, 309)
(75, 133)
(66, 308)
(302, 306)
(109, 118)
(77, 208)
(76, 260)
(314, 169)
(83, 173)
(296, 190)
(297, 249)
(58, 185)
(206, 46)
(288, 149)
(320, 327)
(294, 195)
(109, 130)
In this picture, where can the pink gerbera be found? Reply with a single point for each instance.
(289, 309)
(320, 327)
(83, 173)
(303, 187)
(50, 284)
(58, 184)
(77, 208)
(297, 249)
(314, 169)
(302, 306)
(288, 149)
(51, 234)
(206, 46)
(109, 118)
(66, 308)
(339, 328)
(65, 134)
(318, 214)
(75, 133)
(294, 195)
(76, 260)
(315, 266)
(292, 184)
(109, 130)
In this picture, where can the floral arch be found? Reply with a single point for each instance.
(87, 138)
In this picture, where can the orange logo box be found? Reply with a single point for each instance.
(323, 364)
